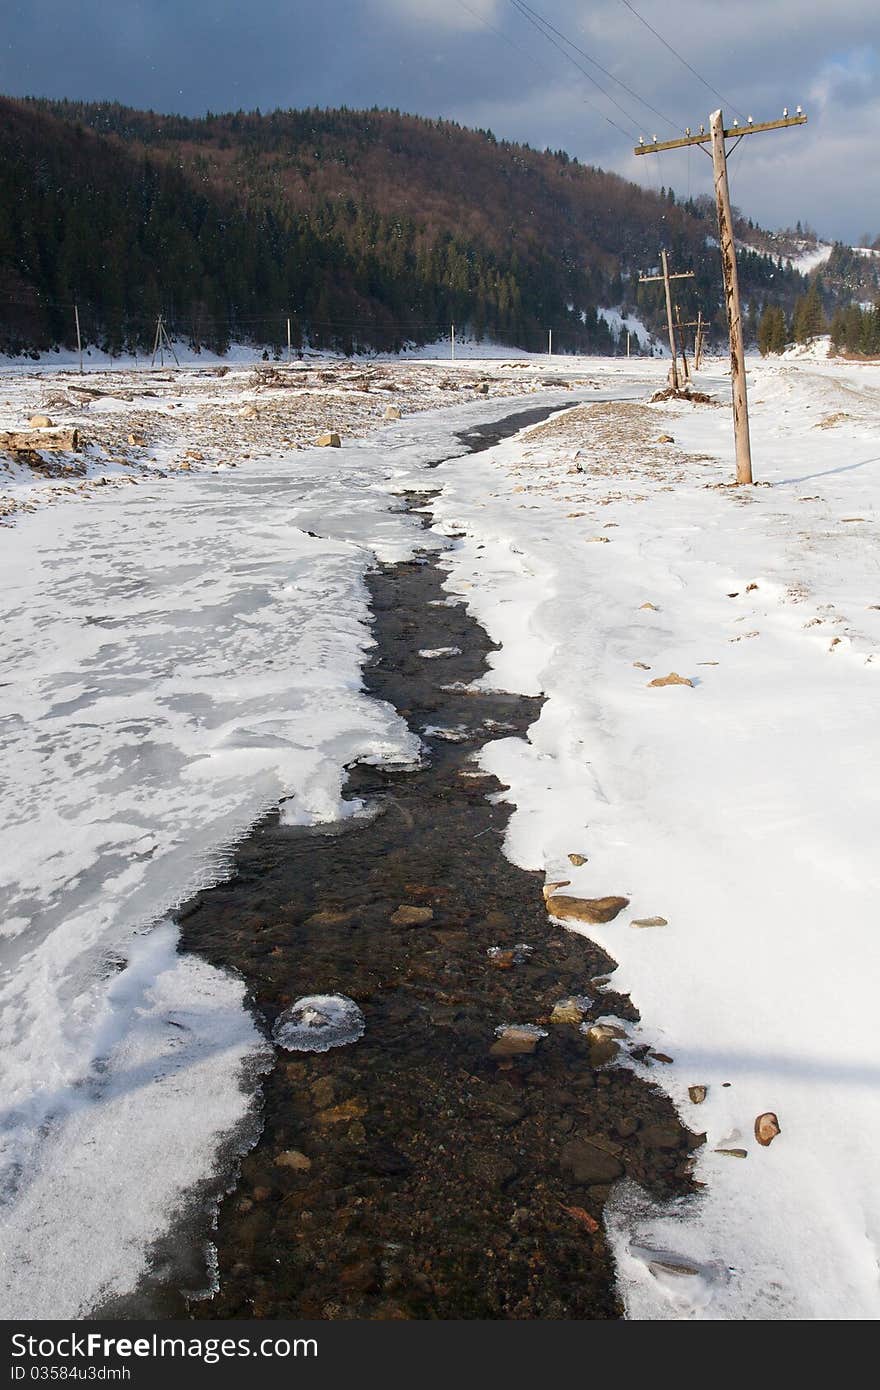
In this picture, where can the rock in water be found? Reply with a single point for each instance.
(649, 922)
(697, 1094)
(766, 1128)
(318, 1022)
(569, 1011)
(292, 1158)
(589, 910)
(516, 1039)
(407, 916)
(577, 860)
(589, 1164)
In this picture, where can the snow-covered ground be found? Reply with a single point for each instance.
(95, 359)
(742, 808)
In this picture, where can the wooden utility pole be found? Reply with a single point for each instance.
(681, 343)
(666, 277)
(681, 326)
(717, 136)
(698, 345)
(79, 346)
(732, 300)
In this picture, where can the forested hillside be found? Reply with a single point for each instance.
(368, 229)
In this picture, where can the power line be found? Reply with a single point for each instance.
(676, 54)
(532, 59)
(522, 6)
(538, 23)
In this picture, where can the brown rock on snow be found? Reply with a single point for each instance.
(766, 1128)
(329, 440)
(589, 910)
(550, 888)
(672, 679)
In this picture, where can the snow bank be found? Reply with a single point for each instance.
(816, 350)
(743, 809)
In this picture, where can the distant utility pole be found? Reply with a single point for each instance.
(689, 323)
(549, 342)
(452, 340)
(717, 137)
(79, 346)
(686, 371)
(627, 342)
(160, 342)
(288, 342)
(698, 344)
(666, 277)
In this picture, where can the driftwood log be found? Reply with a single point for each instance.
(34, 441)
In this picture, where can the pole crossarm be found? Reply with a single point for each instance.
(704, 137)
(679, 275)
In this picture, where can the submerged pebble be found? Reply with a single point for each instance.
(318, 1022)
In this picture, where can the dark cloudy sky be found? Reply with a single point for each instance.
(439, 57)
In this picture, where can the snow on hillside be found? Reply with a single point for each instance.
(812, 257)
(621, 324)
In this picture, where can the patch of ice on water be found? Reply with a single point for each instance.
(318, 1022)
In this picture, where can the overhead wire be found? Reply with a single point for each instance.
(532, 59)
(674, 51)
(522, 6)
(537, 23)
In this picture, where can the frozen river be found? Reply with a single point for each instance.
(177, 658)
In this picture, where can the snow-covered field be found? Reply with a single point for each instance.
(181, 655)
(742, 808)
